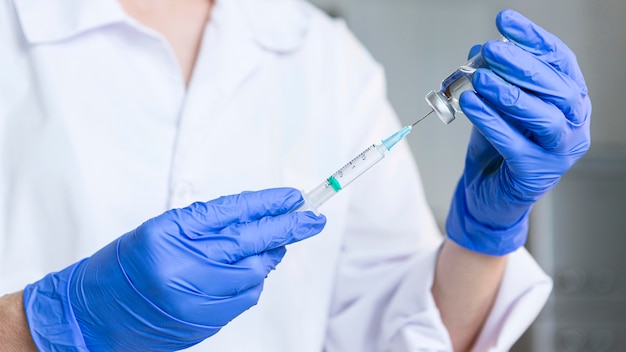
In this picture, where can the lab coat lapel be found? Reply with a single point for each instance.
(228, 55)
(241, 36)
(278, 25)
(53, 20)
(249, 31)
(236, 54)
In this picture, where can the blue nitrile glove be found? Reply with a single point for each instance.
(172, 282)
(531, 118)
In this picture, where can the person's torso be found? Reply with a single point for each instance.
(98, 134)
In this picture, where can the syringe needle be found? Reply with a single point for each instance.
(423, 117)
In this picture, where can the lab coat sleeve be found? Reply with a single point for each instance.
(524, 290)
(382, 299)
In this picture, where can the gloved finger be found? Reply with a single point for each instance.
(230, 280)
(541, 43)
(242, 240)
(218, 310)
(240, 276)
(474, 50)
(482, 158)
(544, 120)
(507, 140)
(201, 217)
(530, 73)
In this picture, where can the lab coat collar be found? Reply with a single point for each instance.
(53, 20)
(277, 25)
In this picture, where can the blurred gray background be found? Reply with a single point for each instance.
(578, 231)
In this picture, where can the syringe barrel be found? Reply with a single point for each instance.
(357, 166)
(342, 177)
(445, 102)
(318, 196)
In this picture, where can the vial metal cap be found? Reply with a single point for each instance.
(440, 106)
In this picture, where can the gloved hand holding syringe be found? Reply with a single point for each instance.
(444, 103)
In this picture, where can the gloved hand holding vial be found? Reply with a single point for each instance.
(538, 120)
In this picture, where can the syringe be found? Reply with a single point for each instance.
(352, 170)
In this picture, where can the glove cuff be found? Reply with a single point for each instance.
(51, 319)
(470, 234)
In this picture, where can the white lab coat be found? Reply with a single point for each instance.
(98, 133)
